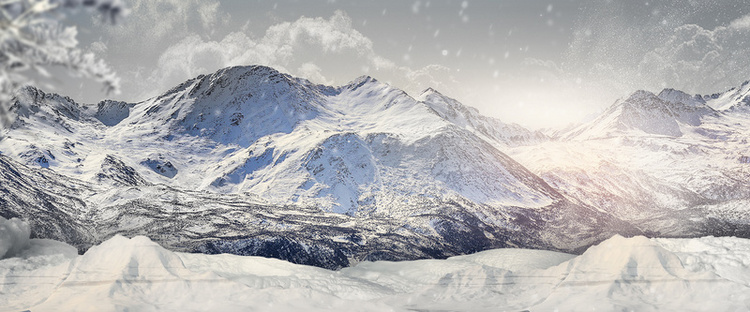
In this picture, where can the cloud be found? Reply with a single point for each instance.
(152, 22)
(700, 60)
(98, 47)
(618, 48)
(208, 12)
(312, 48)
(741, 23)
(313, 73)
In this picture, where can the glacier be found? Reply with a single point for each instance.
(126, 274)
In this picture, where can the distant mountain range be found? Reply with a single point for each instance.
(251, 161)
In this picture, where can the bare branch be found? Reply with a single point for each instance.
(32, 38)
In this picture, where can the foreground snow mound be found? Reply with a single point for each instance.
(137, 274)
(622, 271)
(619, 274)
(133, 274)
(14, 236)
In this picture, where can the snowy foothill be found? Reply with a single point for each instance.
(136, 274)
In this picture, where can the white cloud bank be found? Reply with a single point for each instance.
(610, 55)
(666, 49)
(741, 23)
(151, 22)
(321, 50)
(698, 59)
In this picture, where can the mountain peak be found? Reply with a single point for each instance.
(664, 114)
(30, 100)
(468, 117)
(430, 90)
(258, 70)
(233, 105)
(261, 73)
(677, 96)
(640, 95)
(734, 99)
(34, 94)
(230, 79)
(360, 81)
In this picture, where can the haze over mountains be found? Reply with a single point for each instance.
(251, 161)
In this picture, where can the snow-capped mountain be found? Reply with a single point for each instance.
(469, 118)
(673, 163)
(248, 160)
(251, 161)
(348, 149)
(730, 100)
(646, 112)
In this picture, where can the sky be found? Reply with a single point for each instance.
(540, 64)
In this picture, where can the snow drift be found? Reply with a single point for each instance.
(14, 236)
(635, 273)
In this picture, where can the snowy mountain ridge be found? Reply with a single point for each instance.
(469, 118)
(732, 99)
(263, 132)
(248, 160)
(650, 113)
(669, 162)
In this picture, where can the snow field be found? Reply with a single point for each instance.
(136, 274)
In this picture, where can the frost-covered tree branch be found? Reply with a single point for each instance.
(32, 39)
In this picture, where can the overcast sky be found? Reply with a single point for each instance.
(539, 64)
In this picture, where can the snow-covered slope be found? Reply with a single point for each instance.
(469, 118)
(349, 149)
(251, 161)
(635, 273)
(648, 113)
(84, 214)
(734, 99)
(670, 163)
